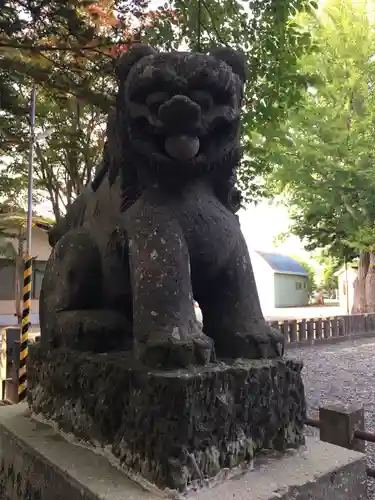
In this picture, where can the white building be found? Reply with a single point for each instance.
(346, 278)
(40, 251)
(281, 280)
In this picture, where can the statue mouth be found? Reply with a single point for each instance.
(182, 147)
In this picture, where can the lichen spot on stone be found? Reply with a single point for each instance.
(154, 313)
(148, 71)
(175, 333)
(154, 254)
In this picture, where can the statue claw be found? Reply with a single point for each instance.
(167, 352)
(263, 343)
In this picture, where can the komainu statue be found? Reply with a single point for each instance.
(123, 364)
(157, 228)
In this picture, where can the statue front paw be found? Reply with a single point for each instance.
(261, 342)
(171, 352)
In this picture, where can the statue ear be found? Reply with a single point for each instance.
(128, 59)
(236, 60)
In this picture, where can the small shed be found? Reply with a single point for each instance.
(41, 251)
(281, 280)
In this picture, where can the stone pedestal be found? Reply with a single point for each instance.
(176, 429)
(36, 463)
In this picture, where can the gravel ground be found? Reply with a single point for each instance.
(341, 373)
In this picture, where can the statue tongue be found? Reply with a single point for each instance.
(182, 147)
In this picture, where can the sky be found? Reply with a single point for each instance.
(262, 223)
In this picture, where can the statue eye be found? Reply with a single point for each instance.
(202, 98)
(155, 100)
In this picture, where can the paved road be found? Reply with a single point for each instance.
(342, 373)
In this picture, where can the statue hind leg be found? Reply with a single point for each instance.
(71, 312)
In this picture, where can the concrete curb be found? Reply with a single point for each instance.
(39, 463)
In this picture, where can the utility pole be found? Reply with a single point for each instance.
(30, 174)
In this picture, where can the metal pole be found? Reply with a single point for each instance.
(30, 174)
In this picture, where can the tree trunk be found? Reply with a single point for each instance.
(370, 284)
(359, 301)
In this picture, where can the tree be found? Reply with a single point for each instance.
(50, 44)
(311, 280)
(329, 281)
(272, 42)
(325, 167)
(65, 161)
(71, 61)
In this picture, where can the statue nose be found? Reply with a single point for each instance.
(180, 114)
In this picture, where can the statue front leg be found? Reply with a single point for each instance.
(166, 332)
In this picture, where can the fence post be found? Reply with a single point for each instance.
(335, 326)
(293, 331)
(285, 329)
(302, 333)
(310, 330)
(275, 324)
(338, 424)
(318, 328)
(326, 328)
(342, 330)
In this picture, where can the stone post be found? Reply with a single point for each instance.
(338, 424)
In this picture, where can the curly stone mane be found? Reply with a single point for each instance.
(139, 165)
(134, 153)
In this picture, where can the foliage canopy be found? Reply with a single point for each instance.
(68, 50)
(325, 168)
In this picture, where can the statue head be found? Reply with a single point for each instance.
(181, 111)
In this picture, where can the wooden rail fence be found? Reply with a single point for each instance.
(316, 330)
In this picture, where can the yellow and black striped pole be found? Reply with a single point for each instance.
(27, 275)
(25, 327)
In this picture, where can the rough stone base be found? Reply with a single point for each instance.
(36, 463)
(176, 428)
